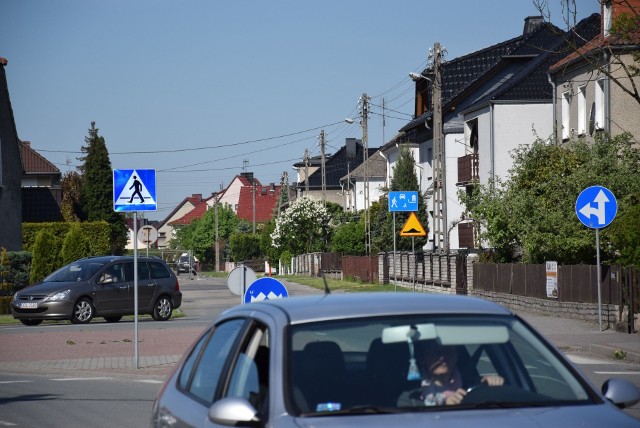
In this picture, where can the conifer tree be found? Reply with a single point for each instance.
(97, 189)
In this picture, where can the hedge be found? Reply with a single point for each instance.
(98, 233)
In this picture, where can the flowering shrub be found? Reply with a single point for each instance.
(303, 227)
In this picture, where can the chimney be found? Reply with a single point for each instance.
(197, 196)
(532, 23)
(352, 147)
(248, 176)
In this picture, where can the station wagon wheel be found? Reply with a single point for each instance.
(112, 319)
(162, 309)
(30, 322)
(82, 311)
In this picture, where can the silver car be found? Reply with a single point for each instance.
(100, 286)
(357, 360)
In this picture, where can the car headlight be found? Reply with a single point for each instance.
(62, 295)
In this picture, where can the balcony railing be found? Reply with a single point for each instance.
(467, 169)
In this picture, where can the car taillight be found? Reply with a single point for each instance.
(177, 285)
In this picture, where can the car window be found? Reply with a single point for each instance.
(143, 271)
(114, 273)
(77, 271)
(189, 363)
(159, 270)
(209, 367)
(390, 361)
(250, 376)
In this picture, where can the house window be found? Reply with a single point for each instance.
(582, 110)
(606, 18)
(565, 116)
(599, 103)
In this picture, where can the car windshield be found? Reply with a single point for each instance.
(76, 271)
(420, 363)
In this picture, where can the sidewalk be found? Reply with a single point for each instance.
(105, 351)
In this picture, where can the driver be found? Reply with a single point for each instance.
(441, 381)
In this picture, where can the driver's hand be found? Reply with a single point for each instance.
(456, 397)
(493, 380)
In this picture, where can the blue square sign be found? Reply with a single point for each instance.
(403, 201)
(134, 190)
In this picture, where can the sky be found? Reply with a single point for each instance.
(202, 90)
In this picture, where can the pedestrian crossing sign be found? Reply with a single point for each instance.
(413, 227)
(134, 190)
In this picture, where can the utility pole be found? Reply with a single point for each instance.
(365, 146)
(440, 240)
(284, 191)
(253, 197)
(306, 172)
(324, 171)
(217, 234)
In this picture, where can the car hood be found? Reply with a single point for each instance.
(599, 416)
(50, 287)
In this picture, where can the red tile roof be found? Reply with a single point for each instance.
(33, 162)
(196, 213)
(266, 200)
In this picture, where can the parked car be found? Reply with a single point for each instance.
(349, 359)
(100, 286)
(185, 263)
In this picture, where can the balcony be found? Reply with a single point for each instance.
(467, 169)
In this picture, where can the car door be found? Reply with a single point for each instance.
(201, 374)
(147, 286)
(112, 290)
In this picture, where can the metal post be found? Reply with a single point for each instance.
(599, 278)
(395, 277)
(135, 290)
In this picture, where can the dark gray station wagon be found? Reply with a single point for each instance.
(100, 286)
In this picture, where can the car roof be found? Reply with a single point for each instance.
(108, 259)
(355, 305)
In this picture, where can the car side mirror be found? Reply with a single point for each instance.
(233, 411)
(621, 392)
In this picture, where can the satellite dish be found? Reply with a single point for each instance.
(592, 118)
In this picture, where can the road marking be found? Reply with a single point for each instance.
(14, 381)
(80, 378)
(576, 359)
(7, 424)
(618, 373)
(150, 381)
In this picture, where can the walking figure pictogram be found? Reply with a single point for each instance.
(138, 186)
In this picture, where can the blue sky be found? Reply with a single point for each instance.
(199, 89)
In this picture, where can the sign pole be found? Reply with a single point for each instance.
(413, 251)
(599, 278)
(135, 289)
(395, 277)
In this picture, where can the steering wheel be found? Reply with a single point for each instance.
(476, 393)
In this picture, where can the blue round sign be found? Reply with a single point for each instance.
(596, 207)
(265, 288)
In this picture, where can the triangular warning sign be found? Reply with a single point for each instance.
(135, 192)
(413, 227)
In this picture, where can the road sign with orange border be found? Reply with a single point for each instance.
(413, 227)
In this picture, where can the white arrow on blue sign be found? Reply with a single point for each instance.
(265, 288)
(134, 190)
(596, 207)
(403, 201)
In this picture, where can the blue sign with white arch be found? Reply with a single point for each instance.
(265, 288)
(596, 207)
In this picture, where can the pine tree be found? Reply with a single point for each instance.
(404, 179)
(97, 189)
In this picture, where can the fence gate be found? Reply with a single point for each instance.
(461, 274)
(630, 295)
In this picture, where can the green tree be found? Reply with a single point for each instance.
(245, 246)
(303, 227)
(46, 256)
(266, 245)
(199, 236)
(71, 205)
(97, 189)
(404, 179)
(75, 245)
(348, 239)
(531, 216)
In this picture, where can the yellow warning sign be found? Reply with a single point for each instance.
(413, 227)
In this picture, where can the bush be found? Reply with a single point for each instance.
(97, 233)
(5, 305)
(75, 245)
(46, 258)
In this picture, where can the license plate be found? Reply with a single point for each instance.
(29, 305)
